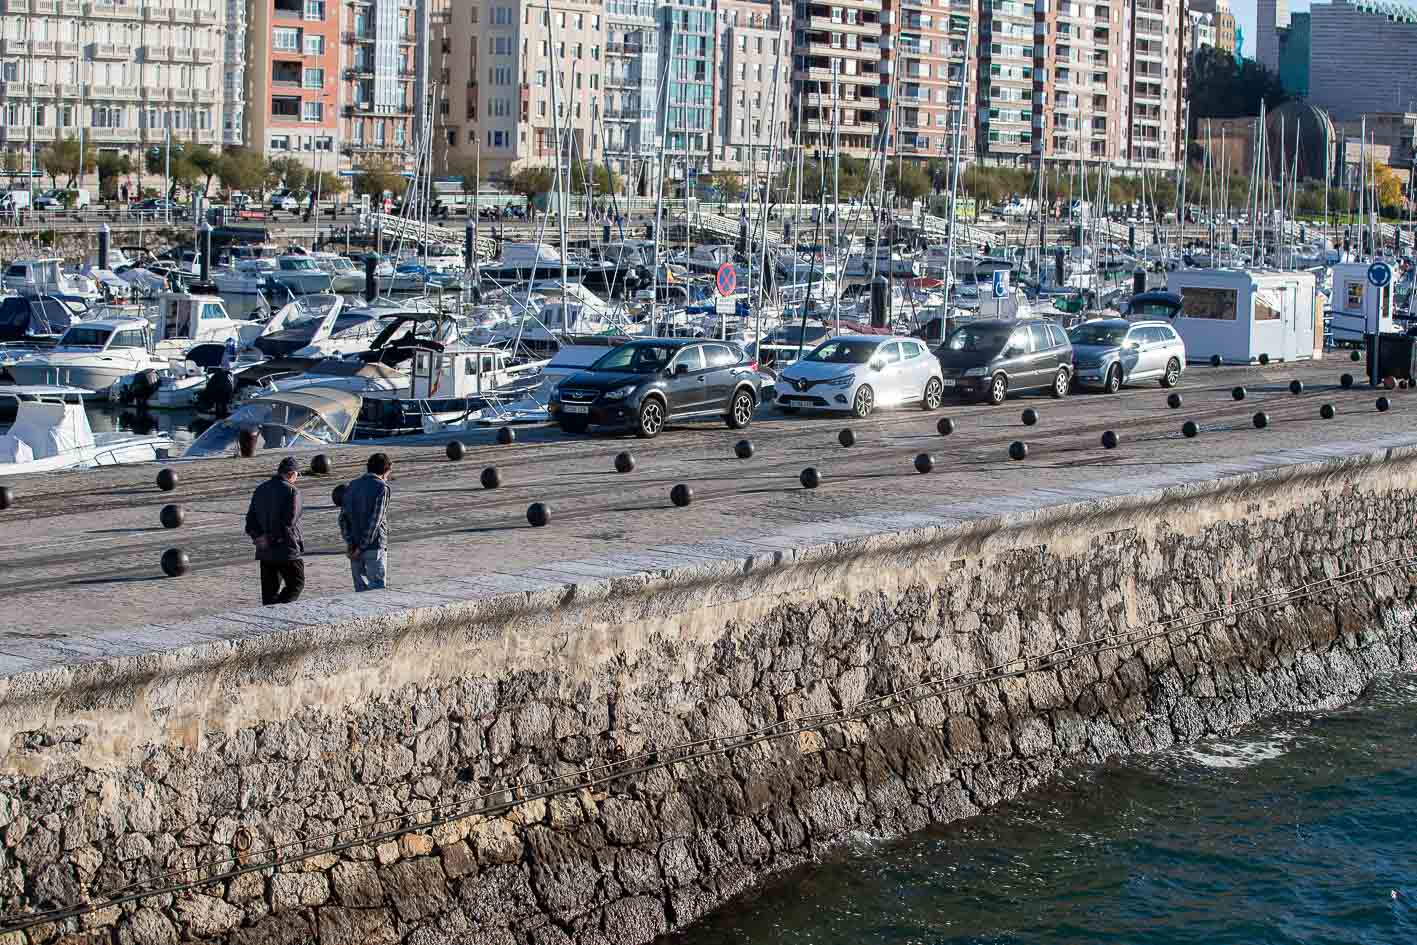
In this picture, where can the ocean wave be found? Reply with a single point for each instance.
(1242, 751)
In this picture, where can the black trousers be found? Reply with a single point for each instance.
(273, 573)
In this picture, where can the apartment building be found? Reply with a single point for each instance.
(753, 116)
(292, 85)
(1159, 54)
(1006, 81)
(689, 40)
(233, 112)
(1081, 82)
(127, 73)
(631, 86)
(923, 55)
(837, 65)
(384, 47)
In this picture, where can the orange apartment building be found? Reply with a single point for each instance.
(292, 80)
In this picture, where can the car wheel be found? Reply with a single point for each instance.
(998, 389)
(574, 424)
(651, 418)
(864, 401)
(1060, 383)
(1114, 380)
(934, 393)
(1172, 377)
(740, 411)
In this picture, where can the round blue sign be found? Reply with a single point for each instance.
(1379, 274)
(727, 279)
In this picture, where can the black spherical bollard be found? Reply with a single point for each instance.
(681, 495)
(847, 437)
(491, 477)
(1018, 450)
(1264, 360)
(1029, 416)
(456, 451)
(506, 436)
(810, 478)
(166, 480)
(171, 516)
(1189, 429)
(337, 495)
(924, 463)
(319, 465)
(1383, 405)
(624, 463)
(1260, 420)
(1109, 440)
(1173, 401)
(1346, 381)
(1326, 411)
(743, 449)
(7, 498)
(1296, 387)
(538, 514)
(1215, 360)
(945, 426)
(1355, 356)
(1238, 393)
(175, 562)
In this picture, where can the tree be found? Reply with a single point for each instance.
(328, 183)
(1219, 87)
(467, 168)
(62, 157)
(727, 183)
(186, 175)
(1389, 189)
(13, 162)
(287, 172)
(909, 182)
(242, 169)
(111, 167)
(377, 176)
(205, 161)
(531, 181)
(596, 175)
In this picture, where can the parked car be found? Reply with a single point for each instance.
(284, 200)
(997, 357)
(1110, 352)
(643, 385)
(62, 199)
(154, 207)
(859, 373)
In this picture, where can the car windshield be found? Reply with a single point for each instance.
(1109, 335)
(636, 359)
(844, 352)
(983, 338)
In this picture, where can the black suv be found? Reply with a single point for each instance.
(996, 357)
(644, 384)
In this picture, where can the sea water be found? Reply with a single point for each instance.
(1300, 830)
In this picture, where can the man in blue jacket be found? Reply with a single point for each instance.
(273, 522)
(363, 522)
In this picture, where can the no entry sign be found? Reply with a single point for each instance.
(727, 279)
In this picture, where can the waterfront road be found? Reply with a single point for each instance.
(81, 550)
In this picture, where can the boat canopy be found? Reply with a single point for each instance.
(304, 419)
(48, 422)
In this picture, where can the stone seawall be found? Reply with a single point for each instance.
(899, 673)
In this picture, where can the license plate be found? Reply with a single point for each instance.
(575, 408)
(950, 382)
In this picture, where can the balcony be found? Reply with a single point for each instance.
(178, 15)
(112, 11)
(44, 47)
(107, 51)
(71, 8)
(407, 39)
(202, 55)
(50, 7)
(17, 6)
(206, 17)
(828, 25)
(68, 50)
(157, 54)
(359, 70)
(351, 37)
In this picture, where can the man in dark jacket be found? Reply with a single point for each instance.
(273, 522)
(363, 523)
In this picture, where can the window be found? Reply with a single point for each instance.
(1208, 303)
(720, 356)
(286, 39)
(501, 16)
(1038, 337)
(313, 111)
(314, 78)
(1057, 334)
(691, 357)
(314, 9)
(1267, 306)
(314, 45)
(285, 106)
(132, 338)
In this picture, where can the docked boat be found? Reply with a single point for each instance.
(47, 277)
(345, 276)
(50, 430)
(299, 275)
(447, 385)
(37, 319)
(520, 262)
(92, 355)
(244, 277)
(307, 419)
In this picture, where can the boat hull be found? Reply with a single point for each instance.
(96, 379)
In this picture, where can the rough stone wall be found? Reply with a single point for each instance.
(169, 762)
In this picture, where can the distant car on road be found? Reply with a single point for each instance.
(153, 207)
(859, 373)
(643, 385)
(997, 357)
(1110, 352)
(284, 200)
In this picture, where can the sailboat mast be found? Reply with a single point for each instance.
(559, 180)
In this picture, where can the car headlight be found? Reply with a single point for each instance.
(842, 381)
(620, 393)
(976, 372)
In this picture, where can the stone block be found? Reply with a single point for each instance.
(416, 888)
(356, 885)
(341, 926)
(291, 891)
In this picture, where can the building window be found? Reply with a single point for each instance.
(285, 39)
(285, 106)
(501, 16)
(280, 142)
(314, 78)
(314, 45)
(314, 9)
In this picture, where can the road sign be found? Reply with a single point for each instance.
(727, 279)
(1379, 274)
(726, 306)
(1001, 283)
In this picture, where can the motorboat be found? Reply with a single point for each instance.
(520, 262)
(244, 277)
(47, 277)
(316, 320)
(448, 384)
(708, 257)
(92, 355)
(36, 319)
(185, 320)
(50, 430)
(345, 276)
(299, 275)
(314, 418)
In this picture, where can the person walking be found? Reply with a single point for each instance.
(363, 523)
(273, 522)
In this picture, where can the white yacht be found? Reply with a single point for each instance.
(244, 277)
(345, 276)
(47, 277)
(299, 275)
(93, 355)
(51, 431)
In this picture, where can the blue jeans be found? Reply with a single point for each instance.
(368, 569)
